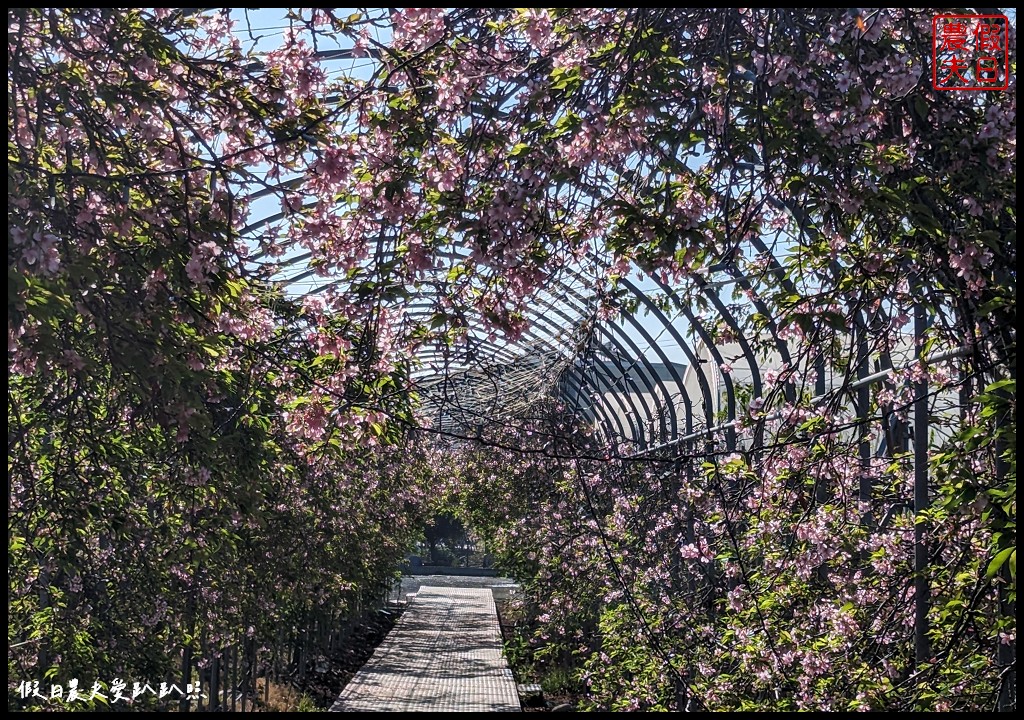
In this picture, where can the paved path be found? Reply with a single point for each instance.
(412, 583)
(444, 655)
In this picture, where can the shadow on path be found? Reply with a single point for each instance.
(444, 655)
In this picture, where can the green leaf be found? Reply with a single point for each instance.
(999, 560)
(1010, 383)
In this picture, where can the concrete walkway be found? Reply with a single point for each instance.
(444, 655)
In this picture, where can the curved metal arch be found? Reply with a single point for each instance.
(435, 364)
(599, 405)
(569, 298)
(670, 328)
(532, 332)
(629, 387)
(741, 338)
(669, 408)
(638, 358)
(705, 336)
(576, 302)
(566, 292)
(602, 374)
(623, 353)
(752, 362)
(610, 382)
(488, 390)
(531, 335)
(780, 345)
(544, 334)
(606, 429)
(695, 362)
(564, 301)
(493, 371)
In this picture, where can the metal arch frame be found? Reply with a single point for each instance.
(600, 403)
(475, 385)
(651, 380)
(532, 333)
(503, 353)
(543, 334)
(616, 343)
(698, 325)
(741, 339)
(571, 299)
(776, 267)
(575, 301)
(583, 306)
(600, 414)
(695, 361)
(628, 411)
(648, 376)
(607, 331)
(625, 377)
(637, 393)
(670, 328)
(649, 369)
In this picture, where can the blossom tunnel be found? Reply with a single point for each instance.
(703, 318)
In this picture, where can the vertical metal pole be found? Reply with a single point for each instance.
(1006, 653)
(863, 411)
(922, 647)
(186, 678)
(234, 678)
(821, 492)
(271, 670)
(820, 369)
(214, 701)
(225, 679)
(248, 671)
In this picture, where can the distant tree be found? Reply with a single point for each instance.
(447, 530)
